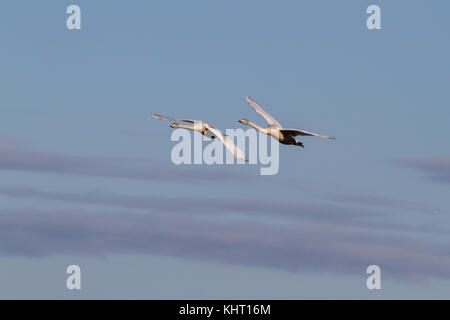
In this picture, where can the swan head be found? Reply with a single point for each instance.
(174, 125)
(244, 121)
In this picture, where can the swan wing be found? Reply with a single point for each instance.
(270, 120)
(228, 143)
(296, 132)
(160, 117)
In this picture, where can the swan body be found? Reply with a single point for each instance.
(274, 129)
(208, 130)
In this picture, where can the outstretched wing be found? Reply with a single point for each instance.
(228, 143)
(160, 117)
(270, 120)
(296, 132)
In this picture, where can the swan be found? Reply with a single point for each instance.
(208, 130)
(284, 136)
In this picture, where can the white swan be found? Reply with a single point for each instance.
(284, 136)
(208, 130)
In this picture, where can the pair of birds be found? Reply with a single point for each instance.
(274, 129)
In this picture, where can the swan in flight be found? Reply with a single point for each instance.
(208, 130)
(284, 136)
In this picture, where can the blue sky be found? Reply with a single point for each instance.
(86, 176)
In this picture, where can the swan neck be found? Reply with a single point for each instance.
(186, 126)
(261, 129)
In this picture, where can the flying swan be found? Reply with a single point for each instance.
(284, 136)
(208, 130)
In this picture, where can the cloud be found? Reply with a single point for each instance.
(378, 202)
(334, 237)
(13, 157)
(337, 216)
(295, 247)
(438, 168)
(253, 207)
